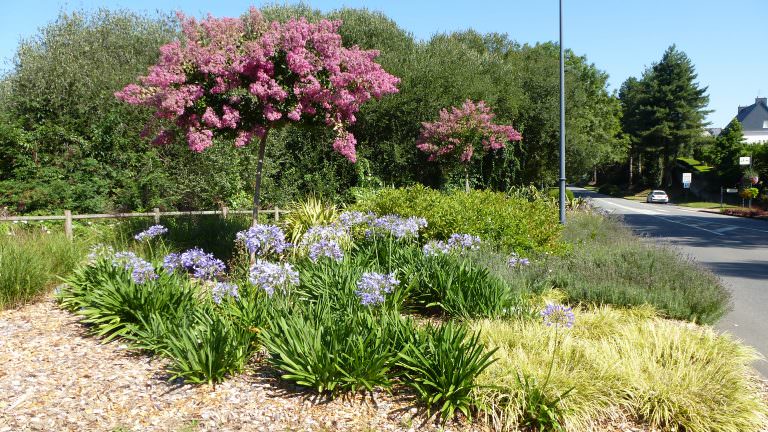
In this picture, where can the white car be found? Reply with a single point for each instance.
(657, 196)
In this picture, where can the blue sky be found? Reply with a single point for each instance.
(727, 41)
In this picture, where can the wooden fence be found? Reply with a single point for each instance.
(68, 217)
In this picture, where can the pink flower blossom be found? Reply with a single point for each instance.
(462, 131)
(199, 81)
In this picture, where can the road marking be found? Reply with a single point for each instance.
(690, 225)
(634, 209)
(728, 228)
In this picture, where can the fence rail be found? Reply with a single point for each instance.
(68, 217)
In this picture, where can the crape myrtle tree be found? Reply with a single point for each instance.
(463, 132)
(239, 78)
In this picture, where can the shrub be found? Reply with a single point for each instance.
(442, 365)
(510, 223)
(555, 194)
(31, 261)
(335, 352)
(206, 347)
(667, 375)
(609, 189)
(107, 298)
(609, 265)
(305, 214)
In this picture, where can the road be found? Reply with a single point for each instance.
(736, 249)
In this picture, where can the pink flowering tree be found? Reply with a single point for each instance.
(239, 78)
(462, 133)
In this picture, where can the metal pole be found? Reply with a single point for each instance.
(562, 120)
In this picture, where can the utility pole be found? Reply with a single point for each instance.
(562, 120)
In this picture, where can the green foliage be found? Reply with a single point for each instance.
(109, 300)
(206, 347)
(335, 352)
(540, 411)
(663, 114)
(31, 260)
(307, 213)
(507, 222)
(670, 377)
(608, 265)
(441, 366)
(555, 194)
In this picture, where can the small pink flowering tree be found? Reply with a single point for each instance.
(238, 78)
(461, 133)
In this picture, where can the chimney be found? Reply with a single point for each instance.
(760, 100)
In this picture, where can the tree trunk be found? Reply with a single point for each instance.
(257, 187)
(466, 180)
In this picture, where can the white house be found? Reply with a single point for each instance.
(754, 121)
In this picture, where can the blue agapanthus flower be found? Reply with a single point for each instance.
(397, 226)
(263, 240)
(203, 265)
(273, 277)
(141, 270)
(325, 248)
(372, 287)
(220, 290)
(558, 315)
(151, 232)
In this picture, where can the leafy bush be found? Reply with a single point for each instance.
(307, 213)
(206, 347)
(442, 365)
(555, 194)
(667, 375)
(510, 223)
(107, 298)
(609, 265)
(609, 189)
(335, 352)
(30, 262)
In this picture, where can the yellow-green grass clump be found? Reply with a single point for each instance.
(628, 363)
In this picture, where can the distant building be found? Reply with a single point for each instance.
(713, 132)
(754, 121)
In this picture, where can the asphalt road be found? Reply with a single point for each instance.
(736, 249)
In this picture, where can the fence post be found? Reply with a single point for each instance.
(156, 211)
(68, 224)
(277, 214)
(224, 211)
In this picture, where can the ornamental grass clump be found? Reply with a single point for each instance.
(660, 373)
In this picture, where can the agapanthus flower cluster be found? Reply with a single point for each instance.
(457, 243)
(219, 60)
(220, 290)
(203, 265)
(151, 232)
(325, 248)
(464, 242)
(351, 219)
(273, 277)
(372, 287)
(558, 315)
(436, 247)
(141, 270)
(100, 251)
(514, 261)
(398, 226)
(463, 131)
(264, 240)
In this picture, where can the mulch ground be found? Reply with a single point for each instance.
(55, 377)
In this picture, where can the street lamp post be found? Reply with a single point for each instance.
(562, 120)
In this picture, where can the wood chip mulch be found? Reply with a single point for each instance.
(56, 377)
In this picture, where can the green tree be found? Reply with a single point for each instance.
(671, 107)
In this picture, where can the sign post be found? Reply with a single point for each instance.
(745, 160)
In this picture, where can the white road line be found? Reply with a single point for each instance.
(690, 225)
(634, 209)
(728, 228)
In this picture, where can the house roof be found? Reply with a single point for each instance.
(753, 117)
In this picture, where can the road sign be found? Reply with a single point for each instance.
(686, 177)
(686, 185)
(731, 190)
(745, 160)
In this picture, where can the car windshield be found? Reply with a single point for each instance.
(659, 193)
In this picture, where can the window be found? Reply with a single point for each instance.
(765, 124)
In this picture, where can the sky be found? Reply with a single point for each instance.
(726, 41)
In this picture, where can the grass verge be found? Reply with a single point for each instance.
(31, 262)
